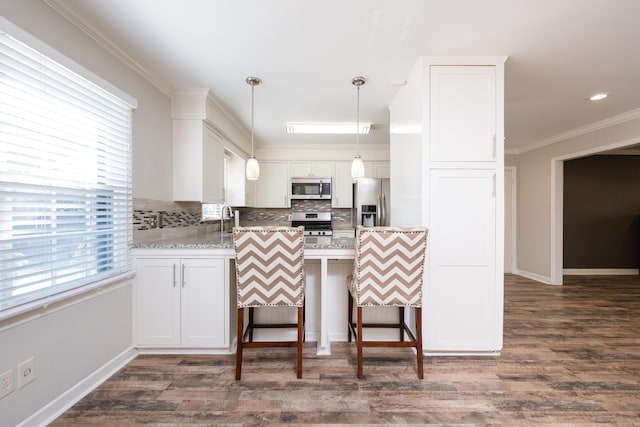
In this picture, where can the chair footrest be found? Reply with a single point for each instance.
(274, 325)
(404, 327)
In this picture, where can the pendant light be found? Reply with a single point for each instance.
(253, 168)
(357, 167)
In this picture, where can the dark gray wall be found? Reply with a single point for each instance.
(601, 212)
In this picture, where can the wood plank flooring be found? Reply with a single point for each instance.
(571, 357)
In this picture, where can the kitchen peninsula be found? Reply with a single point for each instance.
(184, 298)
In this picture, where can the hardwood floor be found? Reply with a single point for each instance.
(571, 357)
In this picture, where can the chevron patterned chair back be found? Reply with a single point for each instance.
(388, 271)
(269, 273)
(389, 266)
(269, 266)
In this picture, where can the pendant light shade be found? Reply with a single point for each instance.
(357, 166)
(252, 168)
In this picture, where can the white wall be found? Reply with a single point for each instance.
(71, 342)
(406, 136)
(152, 167)
(535, 194)
(322, 152)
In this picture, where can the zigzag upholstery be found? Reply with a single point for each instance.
(388, 271)
(269, 266)
(388, 266)
(269, 274)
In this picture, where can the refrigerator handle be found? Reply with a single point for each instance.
(383, 211)
(379, 210)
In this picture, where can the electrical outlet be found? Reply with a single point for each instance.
(26, 372)
(6, 383)
(153, 221)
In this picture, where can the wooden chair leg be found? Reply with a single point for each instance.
(239, 346)
(250, 326)
(300, 334)
(359, 343)
(401, 322)
(350, 314)
(420, 355)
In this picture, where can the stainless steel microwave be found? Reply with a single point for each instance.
(311, 188)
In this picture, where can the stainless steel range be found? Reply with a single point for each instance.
(315, 223)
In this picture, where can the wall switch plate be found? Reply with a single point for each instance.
(6, 383)
(26, 372)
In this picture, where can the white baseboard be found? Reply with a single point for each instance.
(185, 351)
(535, 276)
(66, 400)
(461, 353)
(601, 271)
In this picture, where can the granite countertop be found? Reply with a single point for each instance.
(217, 240)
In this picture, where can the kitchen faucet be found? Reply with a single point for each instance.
(225, 213)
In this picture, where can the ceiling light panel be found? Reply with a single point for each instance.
(327, 128)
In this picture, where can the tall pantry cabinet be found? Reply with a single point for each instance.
(451, 111)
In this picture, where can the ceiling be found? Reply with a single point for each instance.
(307, 51)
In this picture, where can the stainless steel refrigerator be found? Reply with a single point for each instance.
(371, 202)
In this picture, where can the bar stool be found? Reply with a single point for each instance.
(269, 273)
(388, 271)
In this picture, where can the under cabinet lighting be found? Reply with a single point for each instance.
(328, 128)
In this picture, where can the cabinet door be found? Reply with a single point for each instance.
(462, 295)
(314, 169)
(272, 188)
(342, 186)
(198, 163)
(157, 301)
(463, 113)
(377, 170)
(203, 303)
(213, 168)
(300, 169)
(322, 170)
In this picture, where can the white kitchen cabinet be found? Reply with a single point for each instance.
(311, 169)
(457, 106)
(342, 192)
(272, 188)
(181, 302)
(462, 294)
(377, 170)
(463, 113)
(198, 162)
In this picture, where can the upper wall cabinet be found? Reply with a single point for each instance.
(377, 170)
(463, 113)
(272, 188)
(198, 162)
(314, 169)
(202, 130)
(342, 192)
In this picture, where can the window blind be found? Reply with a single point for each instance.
(65, 179)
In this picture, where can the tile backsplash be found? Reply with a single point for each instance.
(159, 220)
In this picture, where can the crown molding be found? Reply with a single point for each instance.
(593, 127)
(102, 40)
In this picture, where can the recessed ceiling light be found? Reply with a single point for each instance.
(327, 128)
(598, 96)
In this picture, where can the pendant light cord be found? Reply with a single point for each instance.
(253, 87)
(358, 121)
